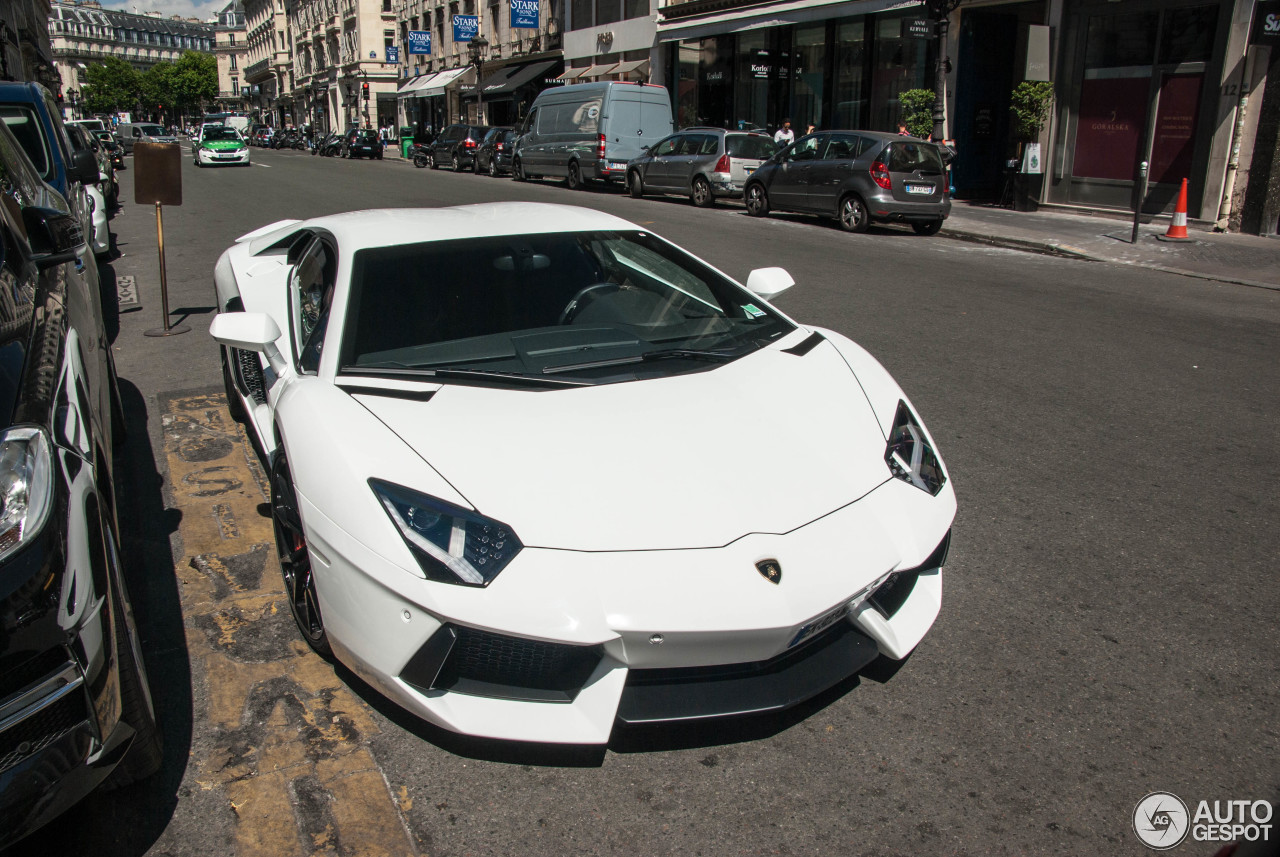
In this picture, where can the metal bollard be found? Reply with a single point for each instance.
(1137, 205)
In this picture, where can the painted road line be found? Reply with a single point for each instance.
(287, 741)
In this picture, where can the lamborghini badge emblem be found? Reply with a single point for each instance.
(770, 570)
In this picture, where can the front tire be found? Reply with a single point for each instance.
(295, 561)
(574, 179)
(493, 168)
(419, 161)
(757, 201)
(457, 163)
(431, 161)
(517, 171)
(929, 227)
(702, 196)
(635, 184)
(853, 214)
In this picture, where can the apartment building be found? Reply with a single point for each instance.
(26, 52)
(268, 74)
(231, 48)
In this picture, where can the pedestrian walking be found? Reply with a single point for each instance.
(785, 136)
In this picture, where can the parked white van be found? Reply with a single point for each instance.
(590, 130)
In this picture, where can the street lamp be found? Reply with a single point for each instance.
(478, 50)
(940, 12)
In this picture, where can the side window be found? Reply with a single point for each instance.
(586, 118)
(311, 290)
(667, 147)
(710, 145)
(804, 150)
(841, 147)
(530, 122)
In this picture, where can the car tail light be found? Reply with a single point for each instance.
(600, 148)
(499, 147)
(880, 175)
(468, 144)
(722, 165)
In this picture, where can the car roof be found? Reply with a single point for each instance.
(389, 227)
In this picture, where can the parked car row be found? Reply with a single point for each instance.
(75, 708)
(622, 132)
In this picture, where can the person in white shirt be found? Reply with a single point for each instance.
(785, 136)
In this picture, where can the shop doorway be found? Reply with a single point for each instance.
(984, 80)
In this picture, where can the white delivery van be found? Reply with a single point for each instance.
(589, 131)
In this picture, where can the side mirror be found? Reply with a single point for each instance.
(84, 167)
(55, 236)
(768, 283)
(249, 331)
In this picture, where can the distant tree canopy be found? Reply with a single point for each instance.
(185, 86)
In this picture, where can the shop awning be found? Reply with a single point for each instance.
(411, 87)
(571, 74)
(773, 15)
(596, 70)
(519, 77)
(631, 67)
(442, 80)
(492, 82)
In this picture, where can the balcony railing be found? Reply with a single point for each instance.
(258, 69)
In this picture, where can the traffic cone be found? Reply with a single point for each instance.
(1178, 228)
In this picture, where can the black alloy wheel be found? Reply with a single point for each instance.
(702, 195)
(757, 200)
(635, 184)
(493, 168)
(457, 163)
(295, 561)
(517, 170)
(574, 179)
(853, 214)
(929, 227)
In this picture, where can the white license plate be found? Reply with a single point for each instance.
(617, 165)
(924, 189)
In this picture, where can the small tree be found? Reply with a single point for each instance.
(1030, 103)
(917, 111)
(109, 86)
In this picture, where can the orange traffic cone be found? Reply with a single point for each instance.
(1178, 228)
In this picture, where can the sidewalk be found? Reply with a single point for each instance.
(1226, 257)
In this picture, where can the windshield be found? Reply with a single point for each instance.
(221, 134)
(749, 146)
(153, 130)
(578, 307)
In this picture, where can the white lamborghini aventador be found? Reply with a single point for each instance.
(536, 471)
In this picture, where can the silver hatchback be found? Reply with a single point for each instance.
(703, 163)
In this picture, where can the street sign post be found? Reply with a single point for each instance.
(157, 179)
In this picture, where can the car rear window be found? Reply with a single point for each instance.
(908, 157)
(751, 146)
(24, 124)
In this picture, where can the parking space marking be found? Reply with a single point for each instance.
(287, 740)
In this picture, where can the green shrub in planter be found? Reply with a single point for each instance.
(917, 111)
(1030, 103)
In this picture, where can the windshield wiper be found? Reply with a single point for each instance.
(710, 354)
(511, 378)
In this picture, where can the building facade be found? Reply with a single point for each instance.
(268, 73)
(84, 33)
(26, 51)
(231, 49)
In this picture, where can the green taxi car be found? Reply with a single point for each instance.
(220, 144)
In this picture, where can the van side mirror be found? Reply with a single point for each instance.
(84, 167)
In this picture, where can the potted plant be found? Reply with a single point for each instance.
(1030, 103)
(917, 111)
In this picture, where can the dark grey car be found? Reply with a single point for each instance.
(703, 163)
(494, 155)
(456, 146)
(856, 177)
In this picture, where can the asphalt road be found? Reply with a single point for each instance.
(1108, 628)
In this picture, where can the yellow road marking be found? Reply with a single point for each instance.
(288, 745)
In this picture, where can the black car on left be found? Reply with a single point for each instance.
(362, 143)
(75, 707)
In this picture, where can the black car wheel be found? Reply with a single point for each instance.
(475, 165)
(853, 214)
(517, 171)
(574, 179)
(457, 163)
(757, 201)
(702, 196)
(431, 161)
(493, 168)
(419, 161)
(929, 227)
(635, 184)
(295, 561)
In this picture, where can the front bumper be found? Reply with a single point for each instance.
(208, 158)
(643, 636)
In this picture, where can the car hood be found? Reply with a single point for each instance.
(223, 145)
(764, 444)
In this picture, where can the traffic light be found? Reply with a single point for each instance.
(365, 88)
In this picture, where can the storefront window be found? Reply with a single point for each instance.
(810, 73)
(899, 63)
(1188, 34)
(1121, 40)
(850, 75)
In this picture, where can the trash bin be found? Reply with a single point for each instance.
(406, 140)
